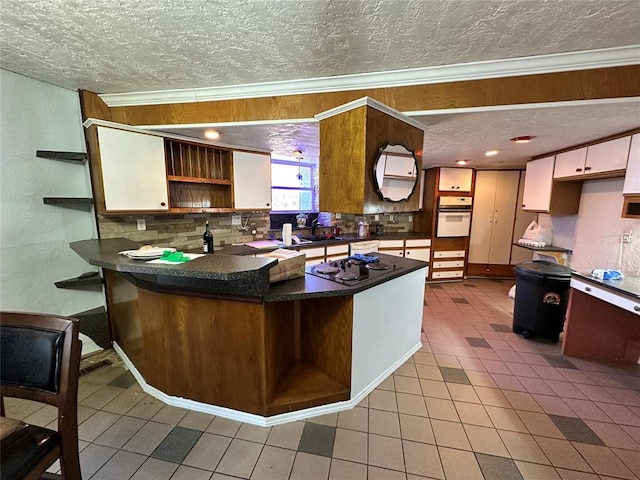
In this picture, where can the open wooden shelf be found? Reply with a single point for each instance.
(75, 157)
(305, 386)
(213, 181)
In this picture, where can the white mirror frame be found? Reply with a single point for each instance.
(395, 172)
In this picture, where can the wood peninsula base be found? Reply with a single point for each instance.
(264, 362)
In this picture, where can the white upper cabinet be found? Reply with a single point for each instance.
(608, 156)
(632, 177)
(538, 184)
(133, 168)
(251, 181)
(571, 163)
(455, 179)
(399, 166)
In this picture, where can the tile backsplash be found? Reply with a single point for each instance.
(185, 231)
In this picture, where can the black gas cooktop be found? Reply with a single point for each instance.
(350, 271)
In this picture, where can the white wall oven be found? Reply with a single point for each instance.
(454, 216)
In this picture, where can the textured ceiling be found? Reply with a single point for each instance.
(108, 46)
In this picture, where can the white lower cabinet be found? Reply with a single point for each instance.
(317, 255)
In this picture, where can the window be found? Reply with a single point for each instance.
(292, 186)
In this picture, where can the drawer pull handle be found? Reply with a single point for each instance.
(637, 308)
(587, 289)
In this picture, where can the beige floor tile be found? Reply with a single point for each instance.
(411, 404)
(459, 465)
(286, 436)
(450, 434)
(154, 469)
(407, 385)
(586, 410)
(120, 432)
(310, 467)
(422, 459)
(573, 475)
(125, 401)
(224, 426)
(462, 393)
(485, 440)
(473, 413)
(429, 372)
(535, 471)
(207, 451)
(147, 438)
(241, 457)
(506, 419)
(221, 476)
(20, 409)
(383, 400)
(146, 408)
(384, 423)
(93, 457)
(253, 433)
(417, 429)
(447, 361)
(330, 419)
(540, 424)
(196, 420)
(43, 416)
(387, 384)
(630, 458)
(102, 397)
(170, 415)
(355, 419)
(407, 369)
(554, 405)
(441, 409)
(350, 445)
(522, 446)
(273, 464)
(613, 435)
(189, 473)
(492, 397)
(386, 452)
(562, 454)
(434, 388)
(342, 470)
(481, 379)
(377, 473)
(603, 461)
(424, 358)
(523, 401)
(121, 465)
(96, 425)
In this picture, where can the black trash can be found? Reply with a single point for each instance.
(542, 294)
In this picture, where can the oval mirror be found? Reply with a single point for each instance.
(395, 172)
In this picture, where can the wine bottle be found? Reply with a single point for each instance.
(207, 239)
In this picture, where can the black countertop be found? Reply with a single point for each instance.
(231, 271)
(629, 286)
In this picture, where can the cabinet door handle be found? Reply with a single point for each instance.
(587, 168)
(578, 169)
(163, 204)
(636, 308)
(268, 204)
(587, 289)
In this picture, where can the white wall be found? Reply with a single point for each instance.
(34, 238)
(595, 233)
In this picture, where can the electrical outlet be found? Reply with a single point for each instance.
(338, 216)
(236, 219)
(627, 237)
(376, 218)
(392, 217)
(410, 218)
(142, 224)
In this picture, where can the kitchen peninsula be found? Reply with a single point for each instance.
(214, 335)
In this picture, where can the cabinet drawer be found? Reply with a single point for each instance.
(448, 264)
(336, 249)
(418, 253)
(447, 274)
(418, 242)
(449, 254)
(397, 252)
(314, 261)
(623, 302)
(391, 244)
(313, 252)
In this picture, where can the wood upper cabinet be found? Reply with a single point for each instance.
(571, 163)
(495, 198)
(251, 181)
(131, 171)
(632, 176)
(455, 179)
(542, 194)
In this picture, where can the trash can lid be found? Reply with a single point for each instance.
(544, 268)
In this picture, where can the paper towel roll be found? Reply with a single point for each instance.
(286, 234)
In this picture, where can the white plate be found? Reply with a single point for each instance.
(147, 254)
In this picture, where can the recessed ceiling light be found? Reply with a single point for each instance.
(523, 139)
(297, 153)
(462, 162)
(212, 134)
(491, 153)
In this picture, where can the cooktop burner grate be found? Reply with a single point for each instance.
(326, 268)
(351, 272)
(378, 266)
